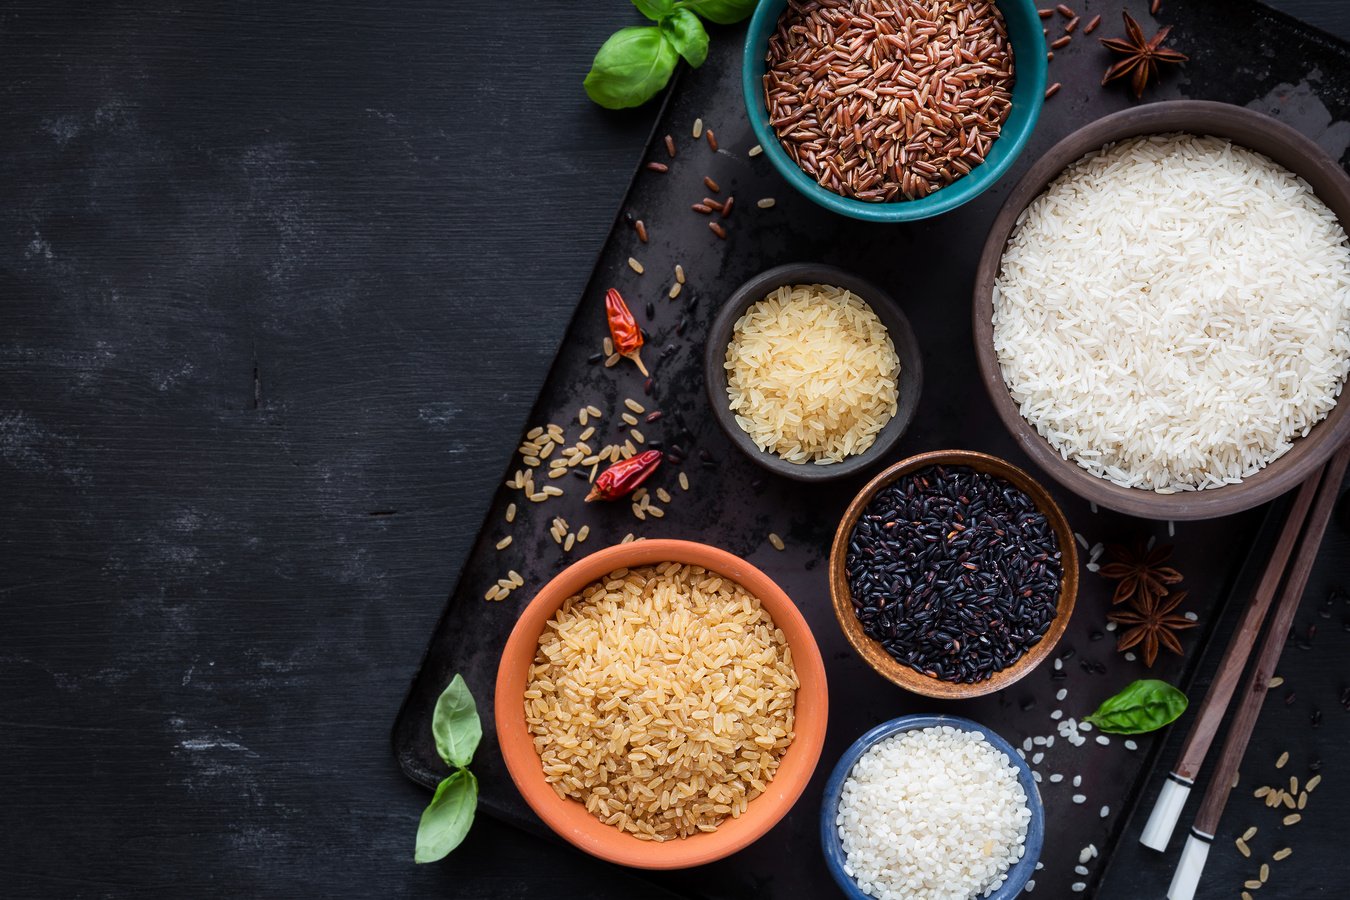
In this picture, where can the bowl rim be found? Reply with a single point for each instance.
(1241, 126)
(909, 385)
(568, 818)
(832, 848)
(875, 655)
(1022, 120)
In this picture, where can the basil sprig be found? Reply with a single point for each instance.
(636, 62)
(457, 730)
(1145, 705)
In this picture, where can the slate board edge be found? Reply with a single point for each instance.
(406, 723)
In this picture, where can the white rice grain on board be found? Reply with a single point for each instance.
(812, 374)
(1173, 312)
(930, 814)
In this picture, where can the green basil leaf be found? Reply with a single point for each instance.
(656, 10)
(723, 12)
(631, 67)
(1146, 705)
(455, 724)
(687, 35)
(447, 818)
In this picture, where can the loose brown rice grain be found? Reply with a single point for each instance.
(510, 512)
(635, 265)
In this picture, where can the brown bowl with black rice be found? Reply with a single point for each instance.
(953, 574)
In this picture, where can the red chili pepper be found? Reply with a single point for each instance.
(623, 477)
(623, 328)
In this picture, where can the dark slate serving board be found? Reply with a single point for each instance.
(1240, 53)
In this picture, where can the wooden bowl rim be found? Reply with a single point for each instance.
(569, 818)
(875, 655)
(1246, 128)
(909, 385)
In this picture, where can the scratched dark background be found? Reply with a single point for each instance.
(278, 285)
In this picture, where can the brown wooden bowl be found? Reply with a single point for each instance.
(876, 655)
(1242, 126)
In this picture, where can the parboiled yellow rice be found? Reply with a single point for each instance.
(812, 374)
(663, 699)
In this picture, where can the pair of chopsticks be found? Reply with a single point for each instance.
(1309, 515)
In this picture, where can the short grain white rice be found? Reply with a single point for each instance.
(934, 814)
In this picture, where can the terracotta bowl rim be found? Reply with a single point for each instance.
(568, 818)
(875, 655)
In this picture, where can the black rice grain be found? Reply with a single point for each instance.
(955, 572)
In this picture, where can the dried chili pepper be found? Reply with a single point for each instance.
(623, 328)
(624, 476)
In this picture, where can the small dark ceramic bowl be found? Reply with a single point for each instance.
(1021, 871)
(1248, 129)
(887, 310)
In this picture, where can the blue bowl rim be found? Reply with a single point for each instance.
(833, 850)
(1009, 145)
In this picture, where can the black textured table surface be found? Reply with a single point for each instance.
(278, 286)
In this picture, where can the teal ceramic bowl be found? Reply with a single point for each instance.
(1028, 43)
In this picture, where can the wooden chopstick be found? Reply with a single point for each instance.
(1163, 819)
(1187, 875)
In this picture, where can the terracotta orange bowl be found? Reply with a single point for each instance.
(875, 654)
(568, 818)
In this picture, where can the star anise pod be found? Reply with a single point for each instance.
(1140, 570)
(1142, 56)
(1152, 624)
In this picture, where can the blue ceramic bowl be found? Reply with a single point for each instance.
(829, 833)
(1024, 30)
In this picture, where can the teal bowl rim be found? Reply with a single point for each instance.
(1024, 31)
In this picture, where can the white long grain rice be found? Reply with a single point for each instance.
(812, 374)
(934, 814)
(1174, 311)
(663, 699)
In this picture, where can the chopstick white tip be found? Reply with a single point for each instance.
(1163, 820)
(1187, 876)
